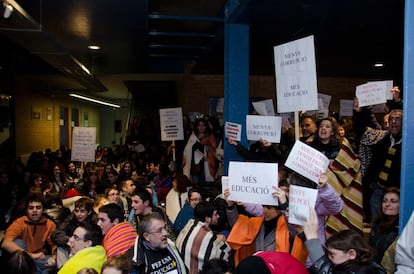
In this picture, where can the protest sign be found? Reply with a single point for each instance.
(263, 127)
(83, 144)
(300, 199)
(346, 107)
(232, 131)
(253, 182)
(295, 68)
(371, 93)
(264, 107)
(171, 123)
(307, 161)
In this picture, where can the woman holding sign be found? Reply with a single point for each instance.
(344, 174)
(199, 161)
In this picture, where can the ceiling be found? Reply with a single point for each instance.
(48, 39)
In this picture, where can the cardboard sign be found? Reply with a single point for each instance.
(253, 182)
(232, 131)
(307, 161)
(83, 144)
(296, 85)
(346, 107)
(371, 93)
(300, 199)
(171, 123)
(263, 127)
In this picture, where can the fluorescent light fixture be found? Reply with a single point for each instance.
(378, 64)
(93, 100)
(94, 47)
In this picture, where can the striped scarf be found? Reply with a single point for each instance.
(344, 174)
(119, 239)
(197, 244)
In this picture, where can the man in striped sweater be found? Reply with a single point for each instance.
(197, 243)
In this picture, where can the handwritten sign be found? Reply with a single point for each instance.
(295, 68)
(371, 93)
(83, 144)
(300, 199)
(253, 182)
(307, 161)
(232, 131)
(171, 122)
(263, 127)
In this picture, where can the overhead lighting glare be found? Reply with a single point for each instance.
(93, 100)
(379, 65)
(94, 47)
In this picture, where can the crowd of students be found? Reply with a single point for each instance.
(131, 212)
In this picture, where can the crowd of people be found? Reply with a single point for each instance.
(135, 210)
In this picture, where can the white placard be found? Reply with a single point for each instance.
(220, 105)
(296, 85)
(307, 161)
(264, 107)
(253, 182)
(233, 131)
(300, 199)
(83, 144)
(171, 123)
(346, 107)
(390, 85)
(263, 127)
(224, 183)
(325, 100)
(371, 93)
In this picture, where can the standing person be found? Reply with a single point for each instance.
(269, 232)
(85, 249)
(344, 175)
(119, 236)
(127, 188)
(154, 252)
(385, 226)
(197, 243)
(347, 251)
(163, 182)
(32, 234)
(177, 196)
(199, 155)
(309, 128)
(384, 169)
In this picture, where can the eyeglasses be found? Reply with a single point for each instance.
(159, 230)
(114, 194)
(196, 199)
(394, 118)
(77, 238)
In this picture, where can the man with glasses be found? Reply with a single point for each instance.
(85, 249)
(154, 252)
(382, 169)
(197, 243)
(119, 236)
